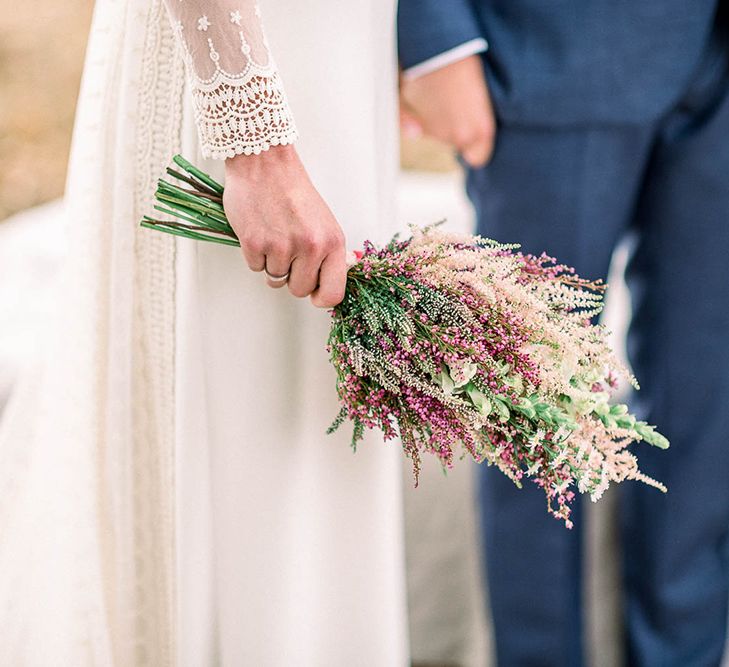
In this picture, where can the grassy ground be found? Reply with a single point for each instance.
(41, 55)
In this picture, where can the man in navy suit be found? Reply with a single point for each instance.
(580, 121)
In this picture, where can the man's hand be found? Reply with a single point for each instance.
(452, 104)
(284, 226)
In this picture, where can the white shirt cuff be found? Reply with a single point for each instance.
(478, 45)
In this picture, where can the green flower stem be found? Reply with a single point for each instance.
(198, 196)
(194, 228)
(205, 209)
(194, 196)
(178, 214)
(194, 217)
(199, 175)
(191, 181)
(198, 210)
(185, 233)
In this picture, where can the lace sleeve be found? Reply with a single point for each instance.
(239, 100)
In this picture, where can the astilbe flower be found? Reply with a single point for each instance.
(458, 345)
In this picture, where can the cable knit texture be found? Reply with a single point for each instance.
(87, 522)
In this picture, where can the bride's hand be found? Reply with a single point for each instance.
(284, 226)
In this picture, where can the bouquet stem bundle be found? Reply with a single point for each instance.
(457, 344)
(197, 207)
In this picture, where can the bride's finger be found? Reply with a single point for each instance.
(304, 276)
(332, 281)
(254, 256)
(277, 266)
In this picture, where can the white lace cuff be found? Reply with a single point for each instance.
(239, 100)
(237, 117)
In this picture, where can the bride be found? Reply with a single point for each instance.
(168, 494)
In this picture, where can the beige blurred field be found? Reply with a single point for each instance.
(41, 53)
(42, 45)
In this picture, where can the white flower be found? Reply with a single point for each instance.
(462, 372)
(203, 23)
(235, 17)
(258, 10)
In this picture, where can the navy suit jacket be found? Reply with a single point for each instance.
(567, 62)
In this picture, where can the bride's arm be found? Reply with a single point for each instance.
(239, 99)
(243, 115)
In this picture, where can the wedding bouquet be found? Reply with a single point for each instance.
(459, 345)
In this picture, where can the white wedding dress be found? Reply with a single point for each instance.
(168, 494)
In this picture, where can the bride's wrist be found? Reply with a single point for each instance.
(273, 159)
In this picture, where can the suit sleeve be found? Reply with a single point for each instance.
(427, 28)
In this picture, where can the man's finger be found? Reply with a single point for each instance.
(410, 125)
(478, 151)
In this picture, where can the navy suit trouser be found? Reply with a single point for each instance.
(575, 192)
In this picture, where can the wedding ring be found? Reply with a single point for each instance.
(277, 279)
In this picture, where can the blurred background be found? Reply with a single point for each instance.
(42, 45)
(41, 54)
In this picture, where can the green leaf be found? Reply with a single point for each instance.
(515, 382)
(479, 400)
(543, 411)
(526, 408)
(607, 419)
(625, 421)
(601, 410)
(502, 409)
(651, 436)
